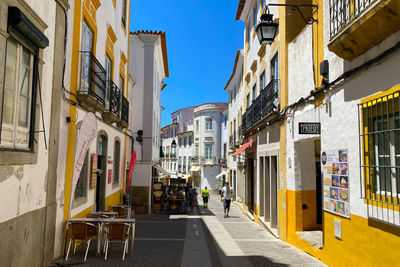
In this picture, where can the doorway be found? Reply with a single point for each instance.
(269, 190)
(102, 174)
(251, 180)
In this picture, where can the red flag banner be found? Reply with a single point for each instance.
(131, 166)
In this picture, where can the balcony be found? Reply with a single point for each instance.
(113, 103)
(91, 93)
(358, 25)
(264, 105)
(124, 114)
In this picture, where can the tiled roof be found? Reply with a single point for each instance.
(163, 46)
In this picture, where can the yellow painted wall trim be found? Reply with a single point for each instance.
(253, 66)
(111, 34)
(114, 199)
(261, 51)
(114, 3)
(381, 94)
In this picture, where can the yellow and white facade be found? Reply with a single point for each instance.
(358, 112)
(96, 80)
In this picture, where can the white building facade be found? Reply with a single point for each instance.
(149, 68)
(207, 137)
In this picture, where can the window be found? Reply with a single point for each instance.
(180, 141)
(225, 120)
(254, 92)
(123, 17)
(189, 164)
(380, 139)
(209, 123)
(81, 185)
(121, 84)
(208, 151)
(190, 140)
(224, 151)
(184, 141)
(180, 164)
(197, 125)
(255, 11)
(117, 153)
(248, 100)
(184, 164)
(262, 81)
(234, 92)
(248, 32)
(87, 46)
(275, 71)
(196, 150)
(18, 109)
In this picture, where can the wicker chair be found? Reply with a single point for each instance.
(117, 232)
(81, 231)
(120, 210)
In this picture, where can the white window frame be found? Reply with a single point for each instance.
(209, 126)
(19, 135)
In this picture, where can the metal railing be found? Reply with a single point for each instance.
(264, 104)
(93, 77)
(379, 127)
(124, 110)
(113, 98)
(343, 12)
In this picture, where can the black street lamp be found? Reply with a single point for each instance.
(173, 144)
(266, 29)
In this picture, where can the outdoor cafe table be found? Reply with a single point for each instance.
(107, 213)
(101, 221)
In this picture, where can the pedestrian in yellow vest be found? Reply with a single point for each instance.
(205, 196)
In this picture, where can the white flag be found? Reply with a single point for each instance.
(85, 136)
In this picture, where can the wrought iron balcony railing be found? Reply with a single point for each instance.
(263, 105)
(112, 111)
(343, 12)
(113, 98)
(93, 77)
(124, 112)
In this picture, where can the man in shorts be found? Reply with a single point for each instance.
(226, 198)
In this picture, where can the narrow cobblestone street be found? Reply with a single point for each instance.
(204, 238)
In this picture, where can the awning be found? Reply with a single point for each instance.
(195, 169)
(242, 148)
(221, 174)
(161, 169)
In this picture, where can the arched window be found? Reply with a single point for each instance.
(117, 152)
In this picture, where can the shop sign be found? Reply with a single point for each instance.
(309, 128)
(93, 173)
(335, 175)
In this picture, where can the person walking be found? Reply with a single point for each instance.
(192, 196)
(226, 197)
(205, 196)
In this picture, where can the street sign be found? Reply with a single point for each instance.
(309, 128)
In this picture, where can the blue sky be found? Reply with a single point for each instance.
(202, 39)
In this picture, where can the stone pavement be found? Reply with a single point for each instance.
(204, 238)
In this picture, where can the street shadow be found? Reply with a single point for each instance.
(159, 241)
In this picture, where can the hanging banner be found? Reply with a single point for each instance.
(335, 175)
(86, 134)
(131, 167)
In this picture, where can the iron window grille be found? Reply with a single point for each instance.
(343, 12)
(93, 77)
(379, 127)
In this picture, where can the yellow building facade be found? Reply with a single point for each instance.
(348, 214)
(96, 80)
